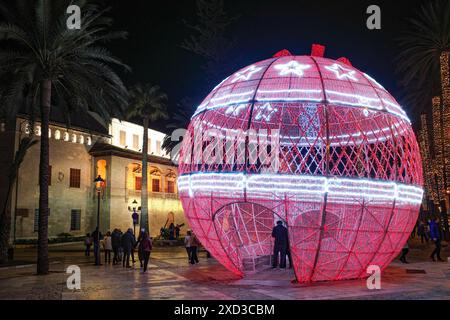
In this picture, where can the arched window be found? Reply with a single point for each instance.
(57, 134)
(89, 141)
(81, 139)
(74, 137)
(66, 136)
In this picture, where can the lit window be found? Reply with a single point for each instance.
(135, 141)
(82, 139)
(74, 138)
(89, 141)
(137, 183)
(122, 138)
(75, 178)
(37, 131)
(155, 185)
(170, 186)
(57, 134)
(158, 147)
(149, 144)
(66, 136)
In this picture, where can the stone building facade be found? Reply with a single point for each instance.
(77, 156)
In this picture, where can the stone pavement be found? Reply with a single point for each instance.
(170, 277)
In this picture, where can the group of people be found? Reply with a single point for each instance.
(122, 245)
(171, 233)
(429, 230)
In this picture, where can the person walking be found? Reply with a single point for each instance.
(96, 237)
(146, 245)
(87, 244)
(107, 247)
(405, 251)
(435, 236)
(280, 233)
(187, 244)
(194, 243)
(128, 241)
(139, 248)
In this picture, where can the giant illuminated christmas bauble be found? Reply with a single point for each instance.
(313, 142)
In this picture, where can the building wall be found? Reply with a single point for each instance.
(129, 131)
(70, 149)
(121, 193)
(62, 198)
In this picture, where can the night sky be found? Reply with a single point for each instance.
(156, 30)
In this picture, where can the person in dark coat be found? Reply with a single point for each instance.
(172, 232)
(280, 233)
(115, 242)
(435, 236)
(96, 237)
(421, 232)
(128, 242)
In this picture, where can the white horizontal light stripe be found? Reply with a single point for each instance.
(346, 190)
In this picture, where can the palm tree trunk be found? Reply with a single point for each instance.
(42, 262)
(5, 225)
(144, 186)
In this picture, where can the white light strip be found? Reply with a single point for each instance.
(348, 190)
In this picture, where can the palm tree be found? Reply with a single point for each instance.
(425, 37)
(149, 103)
(5, 215)
(69, 69)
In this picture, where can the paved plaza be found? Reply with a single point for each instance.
(170, 277)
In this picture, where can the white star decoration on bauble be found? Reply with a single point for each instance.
(246, 74)
(292, 67)
(342, 72)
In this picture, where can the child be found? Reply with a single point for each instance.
(88, 244)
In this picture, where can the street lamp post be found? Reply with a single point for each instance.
(98, 187)
(135, 216)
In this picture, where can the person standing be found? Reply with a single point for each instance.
(146, 245)
(107, 247)
(194, 243)
(115, 243)
(128, 241)
(133, 247)
(187, 244)
(405, 251)
(87, 244)
(177, 231)
(435, 236)
(96, 237)
(421, 232)
(280, 234)
(172, 232)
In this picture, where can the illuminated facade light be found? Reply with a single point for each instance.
(291, 68)
(246, 74)
(341, 72)
(348, 180)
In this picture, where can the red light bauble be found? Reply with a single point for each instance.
(347, 180)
